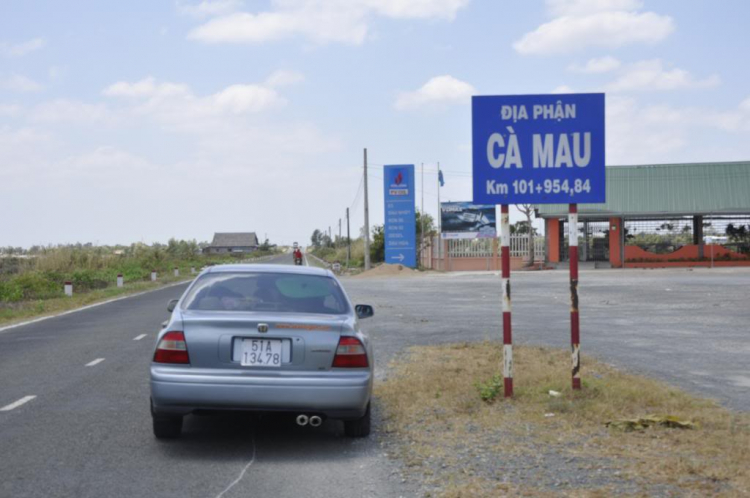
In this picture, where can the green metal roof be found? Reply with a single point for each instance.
(668, 189)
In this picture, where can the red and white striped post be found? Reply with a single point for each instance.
(575, 336)
(68, 289)
(507, 335)
(120, 281)
(153, 275)
(176, 272)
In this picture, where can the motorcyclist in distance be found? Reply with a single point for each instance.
(297, 256)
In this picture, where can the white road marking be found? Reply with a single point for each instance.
(16, 404)
(242, 474)
(95, 362)
(41, 319)
(138, 338)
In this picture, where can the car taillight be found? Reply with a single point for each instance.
(350, 354)
(172, 349)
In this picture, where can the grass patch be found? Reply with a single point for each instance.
(536, 444)
(11, 313)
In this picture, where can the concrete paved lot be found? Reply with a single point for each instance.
(690, 328)
(88, 431)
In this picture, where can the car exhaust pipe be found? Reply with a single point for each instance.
(302, 420)
(315, 421)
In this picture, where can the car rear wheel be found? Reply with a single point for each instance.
(167, 427)
(359, 427)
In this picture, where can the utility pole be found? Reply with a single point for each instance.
(330, 239)
(367, 221)
(339, 241)
(421, 217)
(348, 240)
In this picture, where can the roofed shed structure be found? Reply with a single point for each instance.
(661, 215)
(236, 242)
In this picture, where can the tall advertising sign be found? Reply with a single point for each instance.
(466, 220)
(400, 216)
(538, 149)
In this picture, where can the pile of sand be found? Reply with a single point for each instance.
(386, 270)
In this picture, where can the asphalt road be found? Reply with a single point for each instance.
(88, 431)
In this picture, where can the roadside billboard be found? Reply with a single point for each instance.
(466, 220)
(538, 149)
(400, 216)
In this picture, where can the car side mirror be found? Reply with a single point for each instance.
(364, 310)
(172, 305)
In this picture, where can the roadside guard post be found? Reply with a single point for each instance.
(505, 274)
(539, 149)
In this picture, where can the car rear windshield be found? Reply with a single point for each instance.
(281, 292)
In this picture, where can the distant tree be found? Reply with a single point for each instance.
(528, 211)
(739, 233)
(425, 231)
(377, 246)
(426, 223)
(316, 238)
(265, 246)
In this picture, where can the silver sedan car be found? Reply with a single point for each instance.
(263, 338)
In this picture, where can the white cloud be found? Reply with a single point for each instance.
(596, 65)
(176, 106)
(284, 78)
(661, 133)
(417, 9)
(322, 21)
(21, 49)
(582, 24)
(440, 89)
(239, 99)
(10, 110)
(745, 105)
(560, 8)
(147, 87)
(69, 111)
(20, 83)
(652, 75)
(208, 8)
(562, 89)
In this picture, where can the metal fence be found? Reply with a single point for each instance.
(519, 247)
(484, 248)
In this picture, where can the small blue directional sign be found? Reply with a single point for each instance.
(400, 218)
(538, 149)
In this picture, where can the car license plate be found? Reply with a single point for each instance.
(261, 353)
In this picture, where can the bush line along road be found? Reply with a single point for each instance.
(87, 431)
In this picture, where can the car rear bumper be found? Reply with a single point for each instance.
(335, 394)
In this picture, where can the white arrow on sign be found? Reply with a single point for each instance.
(400, 257)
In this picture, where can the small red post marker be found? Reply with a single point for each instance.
(575, 335)
(507, 334)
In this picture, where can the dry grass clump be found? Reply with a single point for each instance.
(537, 444)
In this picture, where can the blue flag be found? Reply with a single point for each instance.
(440, 178)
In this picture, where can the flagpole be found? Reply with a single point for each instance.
(440, 211)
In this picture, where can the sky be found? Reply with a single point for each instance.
(145, 120)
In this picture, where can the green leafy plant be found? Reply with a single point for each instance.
(491, 389)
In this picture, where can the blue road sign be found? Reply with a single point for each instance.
(400, 218)
(538, 149)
